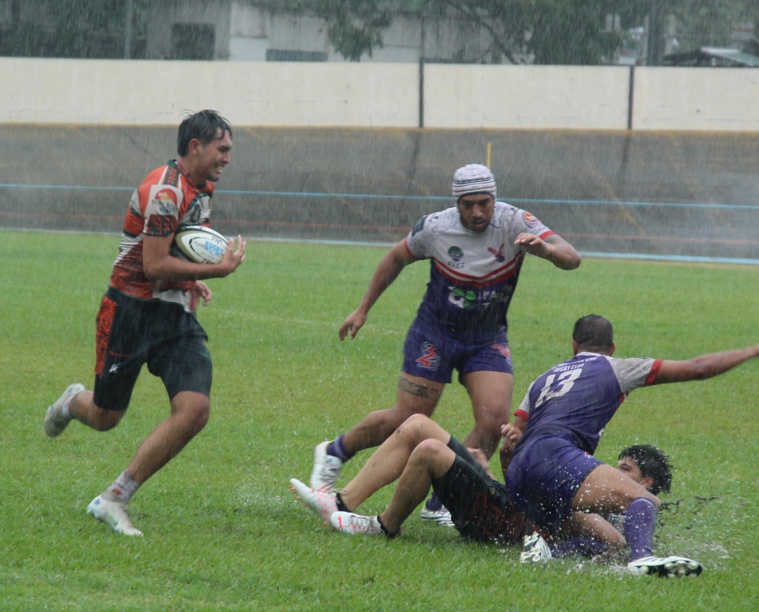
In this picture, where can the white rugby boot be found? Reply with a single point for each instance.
(114, 514)
(326, 469)
(55, 420)
(321, 502)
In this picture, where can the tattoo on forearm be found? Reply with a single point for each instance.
(412, 388)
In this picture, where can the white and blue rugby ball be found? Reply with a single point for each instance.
(200, 244)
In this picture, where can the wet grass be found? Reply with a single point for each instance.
(222, 530)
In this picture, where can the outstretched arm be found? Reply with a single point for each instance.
(390, 266)
(704, 366)
(554, 248)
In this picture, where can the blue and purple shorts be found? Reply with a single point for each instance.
(544, 476)
(434, 356)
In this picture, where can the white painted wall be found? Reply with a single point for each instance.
(572, 97)
(106, 92)
(696, 98)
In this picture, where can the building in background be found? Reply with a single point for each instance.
(245, 31)
(713, 57)
(266, 31)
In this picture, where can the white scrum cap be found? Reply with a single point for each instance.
(473, 178)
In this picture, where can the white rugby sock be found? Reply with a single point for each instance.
(122, 488)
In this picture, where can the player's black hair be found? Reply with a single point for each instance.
(593, 332)
(205, 126)
(652, 463)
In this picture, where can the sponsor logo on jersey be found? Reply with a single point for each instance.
(429, 360)
(530, 219)
(455, 253)
(164, 201)
(165, 194)
(498, 254)
(463, 298)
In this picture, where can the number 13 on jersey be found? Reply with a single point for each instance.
(558, 385)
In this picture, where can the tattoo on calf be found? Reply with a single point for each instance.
(412, 388)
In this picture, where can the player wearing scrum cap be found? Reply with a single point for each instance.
(148, 314)
(476, 249)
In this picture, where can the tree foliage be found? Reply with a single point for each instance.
(74, 28)
(559, 32)
(547, 31)
(355, 26)
(551, 31)
(540, 31)
(701, 23)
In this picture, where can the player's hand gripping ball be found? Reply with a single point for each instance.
(199, 244)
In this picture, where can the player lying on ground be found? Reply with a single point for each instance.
(553, 477)
(425, 455)
(643, 463)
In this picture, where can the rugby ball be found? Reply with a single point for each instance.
(200, 244)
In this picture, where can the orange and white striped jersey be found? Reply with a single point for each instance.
(164, 201)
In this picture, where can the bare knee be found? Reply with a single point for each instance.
(415, 422)
(194, 410)
(105, 420)
(427, 450)
(84, 409)
(399, 423)
(433, 454)
(415, 429)
(201, 417)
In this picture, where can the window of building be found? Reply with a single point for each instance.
(286, 55)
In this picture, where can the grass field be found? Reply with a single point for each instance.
(222, 531)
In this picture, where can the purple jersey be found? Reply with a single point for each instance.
(577, 398)
(473, 275)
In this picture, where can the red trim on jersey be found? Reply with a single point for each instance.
(522, 414)
(408, 250)
(651, 378)
(494, 277)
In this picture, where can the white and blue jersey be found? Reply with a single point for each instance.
(473, 274)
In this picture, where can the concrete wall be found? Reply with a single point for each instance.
(351, 164)
(105, 92)
(696, 99)
(534, 97)
(621, 193)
